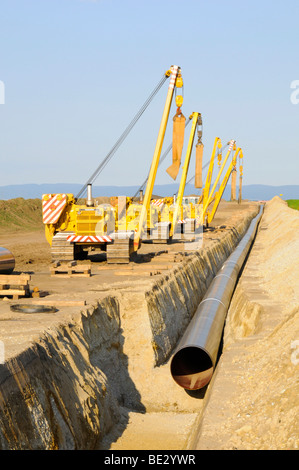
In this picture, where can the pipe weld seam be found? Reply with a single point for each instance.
(213, 298)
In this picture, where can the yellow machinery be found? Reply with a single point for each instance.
(175, 79)
(119, 227)
(71, 227)
(240, 178)
(174, 212)
(214, 196)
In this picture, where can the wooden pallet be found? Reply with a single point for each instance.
(15, 285)
(60, 303)
(71, 269)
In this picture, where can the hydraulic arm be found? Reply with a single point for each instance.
(207, 216)
(72, 226)
(196, 119)
(208, 197)
(206, 190)
(174, 73)
(218, 195)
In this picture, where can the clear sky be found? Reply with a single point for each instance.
(75, 73)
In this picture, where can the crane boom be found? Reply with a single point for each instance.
(195, 120)
(206, 190)
(72, 226)
(219, 193)
(174, 70)
(209, 198)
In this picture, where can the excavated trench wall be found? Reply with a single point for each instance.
(67, 390)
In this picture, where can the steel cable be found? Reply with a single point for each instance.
(123, 136)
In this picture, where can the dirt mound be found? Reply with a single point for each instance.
(254, 403)
(21, 214)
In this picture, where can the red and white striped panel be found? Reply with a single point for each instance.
(53, 205)
(173, 76)
(88, 239)
(157, 202)
(231, 145)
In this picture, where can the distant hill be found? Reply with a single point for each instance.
(257, 192)
(253, 192)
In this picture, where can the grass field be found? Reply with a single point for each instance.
(293, 203)
(21, 214)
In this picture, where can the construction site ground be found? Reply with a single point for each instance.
(252, 400)
(33, 256)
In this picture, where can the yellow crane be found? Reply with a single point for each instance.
(196, 120)
(119, 227)
(171, 210)
(71, 227)
(213, 195)
(175, 79)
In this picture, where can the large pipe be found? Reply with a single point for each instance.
(7, 261)
(193, 362)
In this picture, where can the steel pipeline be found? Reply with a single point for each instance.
(193, 362)
(7, 261)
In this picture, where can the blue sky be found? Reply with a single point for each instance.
(76, 72)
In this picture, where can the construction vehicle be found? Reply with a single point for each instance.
(172, 211)
(213, 196)
(197, 211)
(117, 228)
(120, 227)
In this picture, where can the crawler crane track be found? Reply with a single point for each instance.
(62, 249)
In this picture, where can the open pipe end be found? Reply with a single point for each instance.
(191, 368)
(7, 261)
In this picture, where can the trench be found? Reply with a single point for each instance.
(79, 384)
(253, 400)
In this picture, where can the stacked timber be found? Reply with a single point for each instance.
(14, 285)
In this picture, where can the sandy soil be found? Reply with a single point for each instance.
(253, 397)
(33, 257)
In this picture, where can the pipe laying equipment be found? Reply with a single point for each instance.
(119, 227)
